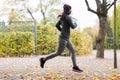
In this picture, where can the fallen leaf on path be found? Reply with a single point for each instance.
(86, 72)
(30, 74)
(83, 77)
(41, 78)
(38, 73)
(37, 67)
(113, 71)
(96, 78)
(6, 75)
(115, 77)
(70, 77)
(22, 75)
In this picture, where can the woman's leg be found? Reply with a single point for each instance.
(61, 46)
(73, 57)
(75, 67)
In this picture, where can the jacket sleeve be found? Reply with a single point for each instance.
(58, 25)
(72, 23)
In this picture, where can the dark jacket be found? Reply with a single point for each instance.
(64, 26)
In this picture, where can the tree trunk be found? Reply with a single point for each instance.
(102, 10)
(101, 37)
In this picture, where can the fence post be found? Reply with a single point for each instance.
(3, 26)
(35, 37)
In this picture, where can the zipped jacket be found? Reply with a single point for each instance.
(64, 26)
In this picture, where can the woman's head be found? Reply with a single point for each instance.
(67, 9)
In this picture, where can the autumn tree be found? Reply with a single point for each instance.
(12, 16)
(48, 7)
(13, 9)
(117, 22)
(102, 10)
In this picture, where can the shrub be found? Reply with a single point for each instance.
(0, 28)
(22, 43)
(82, 43)
(17, 44)
(47, 39)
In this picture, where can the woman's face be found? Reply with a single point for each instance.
(70, 11)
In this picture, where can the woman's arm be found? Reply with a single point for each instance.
(71, 23)
(58, 25)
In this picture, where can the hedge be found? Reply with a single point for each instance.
(16, 44)
(22, 43)
(82, 43)
(47, 39)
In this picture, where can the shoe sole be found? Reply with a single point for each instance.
(77, 71)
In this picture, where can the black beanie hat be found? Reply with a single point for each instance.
(66, 8)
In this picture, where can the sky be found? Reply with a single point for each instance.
(84, 17)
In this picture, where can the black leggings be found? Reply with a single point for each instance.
(61, 46)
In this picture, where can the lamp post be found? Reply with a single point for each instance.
(115, 54)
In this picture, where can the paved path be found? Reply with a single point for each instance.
(60, 67)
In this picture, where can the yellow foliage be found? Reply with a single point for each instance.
(38, 73)
(96, 78)
(82, 43)
(12, 14)
(6, 75)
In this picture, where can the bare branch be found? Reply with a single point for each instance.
(30, 14)
(42, 11)
(87, 3)
(89, 9)
(110, 5)
(92, 11)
